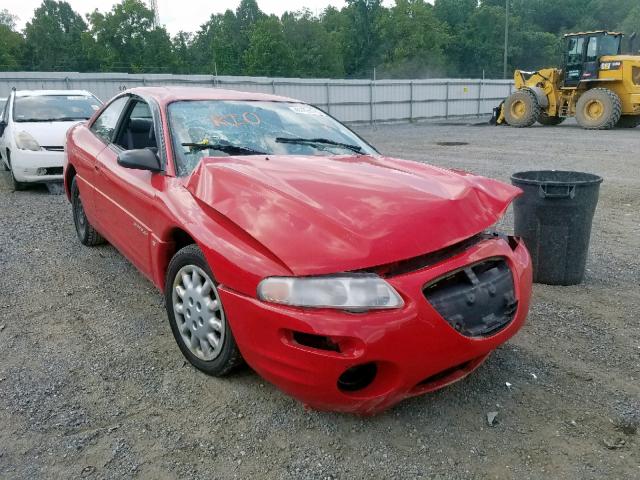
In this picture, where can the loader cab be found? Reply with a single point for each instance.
(583, 52)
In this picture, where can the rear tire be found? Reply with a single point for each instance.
(197, 316)
(547, 120)
(628, 121)
(87, 235)
(521, 109)
(598, 109)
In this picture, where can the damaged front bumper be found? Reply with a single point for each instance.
(456, 312)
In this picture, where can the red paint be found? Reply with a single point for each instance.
(293, 215)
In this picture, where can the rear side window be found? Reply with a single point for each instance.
(105, 125)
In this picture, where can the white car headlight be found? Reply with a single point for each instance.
(353, 292)
(24, 141)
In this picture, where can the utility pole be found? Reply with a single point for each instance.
(156, 14)
(506, 38)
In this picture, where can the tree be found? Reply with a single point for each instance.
(217, 47)
(455, 13)
(7, 19)
(362, 44)
(126, 39)
(315, 52)
(53, 38)
(415, 41)
(12, 43)
(268, 53)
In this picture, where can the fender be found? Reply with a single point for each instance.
(543, 101)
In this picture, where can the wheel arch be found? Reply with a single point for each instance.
(69, 174)
(175, 239)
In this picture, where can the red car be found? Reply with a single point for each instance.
(279, 237)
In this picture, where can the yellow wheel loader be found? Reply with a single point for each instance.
(596, 85)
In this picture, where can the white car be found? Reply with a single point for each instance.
(33, 127)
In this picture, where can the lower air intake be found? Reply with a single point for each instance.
(478, 300)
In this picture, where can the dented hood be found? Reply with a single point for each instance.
(332, 214)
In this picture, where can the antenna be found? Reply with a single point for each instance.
(156, 14)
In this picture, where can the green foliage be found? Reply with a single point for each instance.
(53, 38)
(410, 39)
(268, 53)
(415, 41)
(126, 40)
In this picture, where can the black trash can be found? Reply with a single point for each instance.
(554, 216)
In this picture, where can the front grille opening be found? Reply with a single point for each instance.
(358, 377)
(478, 300)
(443, 375)
(319, 342)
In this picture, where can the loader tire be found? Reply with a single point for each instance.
(598, 109)
(628, 121)
(549, 120)
(521, 109)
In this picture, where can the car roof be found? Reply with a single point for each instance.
(36, 93)
(174, 93)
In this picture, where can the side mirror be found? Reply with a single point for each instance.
(142, 159)
(3, 126)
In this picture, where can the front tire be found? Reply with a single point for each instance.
(197, 316)
(521, 109)
(87, 235)
(598, 109)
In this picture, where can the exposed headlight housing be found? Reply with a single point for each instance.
(24, 141)
(351, 292)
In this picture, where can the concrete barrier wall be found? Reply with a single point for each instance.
(347, 100)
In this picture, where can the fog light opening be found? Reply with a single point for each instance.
(319, 342)
(357, 377)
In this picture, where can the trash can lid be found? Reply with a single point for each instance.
(556, 177)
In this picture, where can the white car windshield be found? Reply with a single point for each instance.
(205, 128)
(54, 108)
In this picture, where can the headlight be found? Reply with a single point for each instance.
(353, 292)
(24, 141)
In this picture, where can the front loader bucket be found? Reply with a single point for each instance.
(497, 118)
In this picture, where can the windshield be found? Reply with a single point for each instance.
(205, 128)
(54, 108)
(609, 45)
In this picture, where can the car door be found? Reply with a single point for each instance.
(85, 148)
(125, 198)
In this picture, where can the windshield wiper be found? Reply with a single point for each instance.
(222, 147)
(321, 141)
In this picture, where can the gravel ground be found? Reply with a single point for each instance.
(93, 385)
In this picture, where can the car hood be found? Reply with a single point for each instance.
(323, 215)
(47, 134)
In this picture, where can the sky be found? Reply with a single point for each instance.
(176, 15)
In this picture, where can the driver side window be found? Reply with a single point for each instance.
(137, 131)
(105, 125)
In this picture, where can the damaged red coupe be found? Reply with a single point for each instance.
(348, 279)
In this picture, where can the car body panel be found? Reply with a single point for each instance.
(261, 216)
(394, 211)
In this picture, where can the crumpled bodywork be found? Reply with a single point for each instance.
(323, 215)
